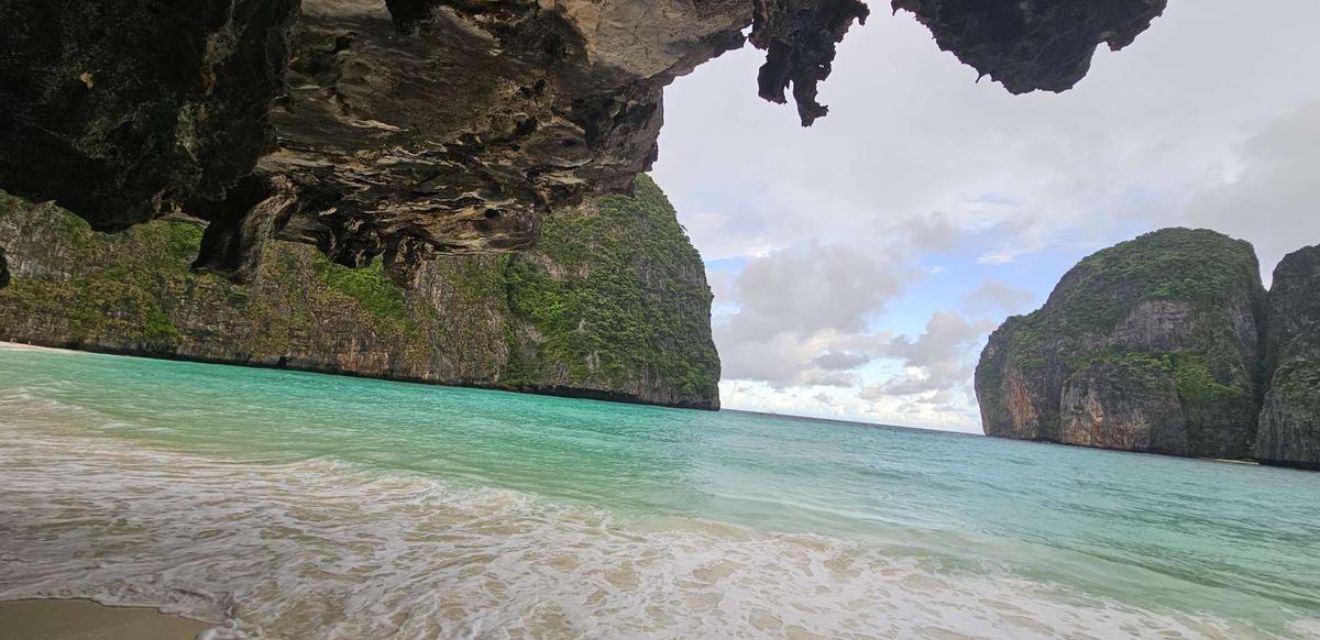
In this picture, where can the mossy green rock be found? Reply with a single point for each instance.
(613, 304)
(4, 269)
(1290, 419)
(1150, 345)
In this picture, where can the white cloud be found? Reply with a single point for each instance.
(939, 360)
(995, 297)
(836, 221)
(1273, 197)
(810, 289)
(804, 315)
(841, 360)
(932, 232)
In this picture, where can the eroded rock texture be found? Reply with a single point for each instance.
(1151, 345)
(454, 127)
(1290, 420)
(1033, 44)
(122, 109)
(799, 38)
(411, 128)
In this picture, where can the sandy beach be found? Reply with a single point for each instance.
(22, 346)
(85, 620)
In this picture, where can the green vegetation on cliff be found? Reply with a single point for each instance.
(1190, 371)
(113, 297)
(1290, 419)
(1197, 266)
(1299, 382)
(1173, 309)
(368, 286)
(613, 304)
(614, 294)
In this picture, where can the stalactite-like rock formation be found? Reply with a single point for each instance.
(409, 128)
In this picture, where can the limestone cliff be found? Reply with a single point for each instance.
(613, 304)
(414, 128)
(1151, 345)
(1290, 419)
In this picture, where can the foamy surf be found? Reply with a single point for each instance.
(324, 550)
(276, 505)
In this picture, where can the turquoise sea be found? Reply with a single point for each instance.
(287, 505)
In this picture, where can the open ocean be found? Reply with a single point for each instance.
(288, 505)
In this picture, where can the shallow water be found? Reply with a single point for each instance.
(287, 505)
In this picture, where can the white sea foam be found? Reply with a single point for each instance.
(320, 549)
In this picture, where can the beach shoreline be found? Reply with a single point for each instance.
(23, 346)
(58, 619)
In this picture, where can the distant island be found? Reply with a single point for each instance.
(1170, 344)
(613, 304)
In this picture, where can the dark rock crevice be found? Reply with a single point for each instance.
(121, 110)
(240, 228)
(1289, 432)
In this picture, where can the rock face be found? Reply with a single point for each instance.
(1151, 345)
(1036, 44)
(415, 128)
(1290, 419)
(613, 305)
(4, 269)
(121, 110)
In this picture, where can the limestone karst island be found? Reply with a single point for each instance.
(659, 319)
(1167, 343)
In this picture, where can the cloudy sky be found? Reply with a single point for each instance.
(859, 265)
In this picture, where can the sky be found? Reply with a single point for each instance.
(859, 265)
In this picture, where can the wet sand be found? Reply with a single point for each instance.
(84, 620)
